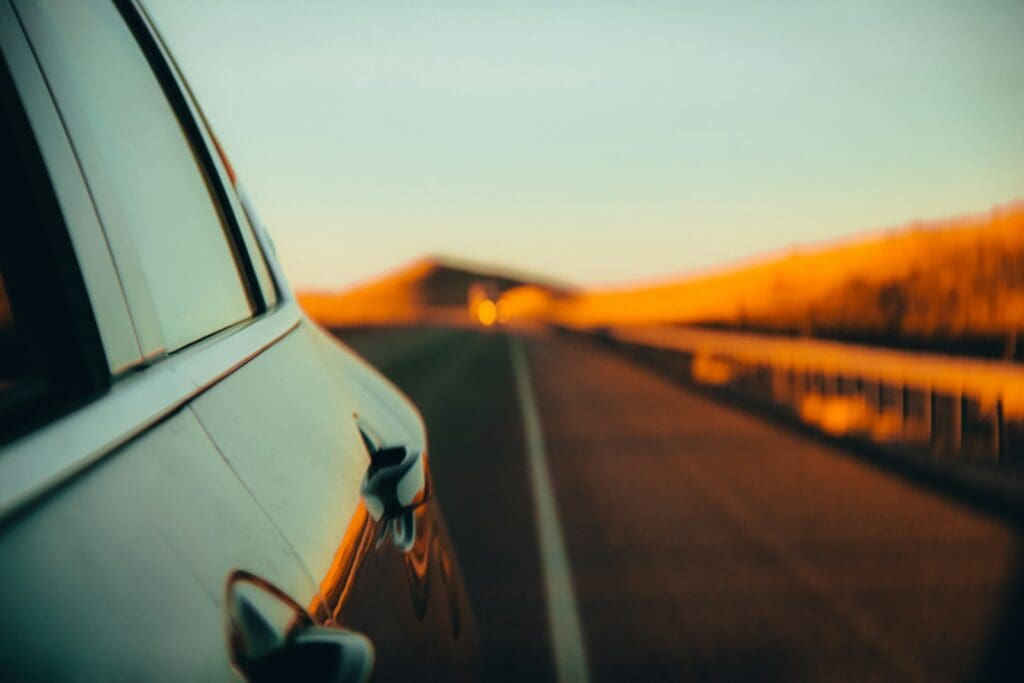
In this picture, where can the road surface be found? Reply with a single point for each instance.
(700, 542)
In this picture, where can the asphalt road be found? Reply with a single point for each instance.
(703, 543)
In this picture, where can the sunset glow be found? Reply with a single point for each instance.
(601, 143)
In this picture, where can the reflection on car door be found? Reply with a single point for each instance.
(286, 424)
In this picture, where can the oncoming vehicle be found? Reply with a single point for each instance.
(196, 482)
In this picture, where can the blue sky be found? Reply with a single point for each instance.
(601, 142)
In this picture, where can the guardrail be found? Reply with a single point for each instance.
(951, 406)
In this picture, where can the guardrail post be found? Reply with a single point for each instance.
(999, 432)
(873, 395)
(959, 409)
(931, 404)
(780, 387)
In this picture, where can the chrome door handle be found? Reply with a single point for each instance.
(272, 638)
(397, 480)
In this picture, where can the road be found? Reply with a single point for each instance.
(702, 543)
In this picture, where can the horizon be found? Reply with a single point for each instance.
(656, 279)
(599, 143)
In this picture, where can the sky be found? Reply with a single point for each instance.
(601, 142)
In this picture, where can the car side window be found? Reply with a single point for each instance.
(24, 384)
(51, 356)
(165, 230)
(14, 366)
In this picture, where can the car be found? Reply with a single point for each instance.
(196, 481)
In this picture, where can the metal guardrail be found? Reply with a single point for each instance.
(952, 406)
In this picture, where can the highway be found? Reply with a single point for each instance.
(701, 542)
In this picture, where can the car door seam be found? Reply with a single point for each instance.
(256, 501)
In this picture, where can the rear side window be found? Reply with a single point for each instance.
(166, 232)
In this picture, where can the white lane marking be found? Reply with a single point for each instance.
(563, 615)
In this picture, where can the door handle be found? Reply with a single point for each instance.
(396, 483)
(272, 638)
(397, 480)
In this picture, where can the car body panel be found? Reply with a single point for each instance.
(288, 433)
(289, 422)
(123, 567)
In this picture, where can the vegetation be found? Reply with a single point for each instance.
(956, 285)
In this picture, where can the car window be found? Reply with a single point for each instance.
(12, 354)
(50, 353)
(23, 381)
(164, 227)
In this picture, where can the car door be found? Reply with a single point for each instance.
(302, 425)
(320, 439)
(120, 522)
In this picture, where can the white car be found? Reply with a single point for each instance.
(196, 482)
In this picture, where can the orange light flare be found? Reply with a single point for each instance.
(487, 312)
(503, 313)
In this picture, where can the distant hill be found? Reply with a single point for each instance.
(955, 285)
(945, 284)
(433, 289)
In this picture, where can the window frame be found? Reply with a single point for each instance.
(128, 262)
(138, 393)
(63, 265)
(74, 205)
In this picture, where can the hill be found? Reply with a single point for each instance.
(432, 290)
(955, 285)
(945, 284)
